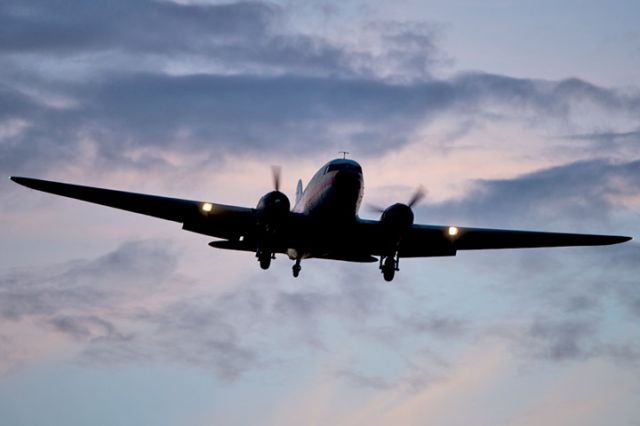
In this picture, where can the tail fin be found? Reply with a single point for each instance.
(299, 190)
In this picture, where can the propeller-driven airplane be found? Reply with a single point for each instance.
(323, 222)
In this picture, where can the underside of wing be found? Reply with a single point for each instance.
(456, 238)
(196, 216)
(474, 239)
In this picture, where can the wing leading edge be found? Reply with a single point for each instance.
(229, 220)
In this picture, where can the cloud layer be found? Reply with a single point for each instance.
(144, 91)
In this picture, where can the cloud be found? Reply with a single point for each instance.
(558, 305)
(599, 143)
(82, 326)
(85, 284)
(237, 37)
(84, 300)
(590, 191)
(441, 326)
(362, 380)
(77, 26)
(133, 120)
(223, 76)
(133, 304)
(559, 340)
(89, 85)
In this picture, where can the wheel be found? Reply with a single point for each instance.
(265, 262)
(388, 274)
(296, 270)
(389, 268)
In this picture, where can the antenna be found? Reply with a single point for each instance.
(344, 154)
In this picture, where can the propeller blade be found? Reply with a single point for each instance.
(276, 172)
(420, 193)
(375, 209)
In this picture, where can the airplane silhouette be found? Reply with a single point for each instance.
(323, 223)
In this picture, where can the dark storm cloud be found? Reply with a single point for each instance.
(583, 193)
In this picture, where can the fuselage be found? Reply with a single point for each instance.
(334, 193)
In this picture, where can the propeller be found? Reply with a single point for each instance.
(417, 196)
(276, 172)
(420, 193)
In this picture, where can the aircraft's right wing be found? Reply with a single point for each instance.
(423, 240)
(218, 220)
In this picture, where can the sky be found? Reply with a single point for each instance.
(512, 114)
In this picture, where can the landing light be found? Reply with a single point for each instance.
(207, 207)
(453, 231)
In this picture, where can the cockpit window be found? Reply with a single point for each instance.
(343, 166)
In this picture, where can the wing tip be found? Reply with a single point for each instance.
(617, 239)
(22, 180)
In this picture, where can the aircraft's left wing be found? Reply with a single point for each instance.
(425, 240)
(203, 217)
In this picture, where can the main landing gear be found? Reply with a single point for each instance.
(389, 266)
(264, 257)
(296, 268)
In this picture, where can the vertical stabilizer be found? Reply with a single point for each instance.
(299, 190)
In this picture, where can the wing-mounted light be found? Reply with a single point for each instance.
(206, 207)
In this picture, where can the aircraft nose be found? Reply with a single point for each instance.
(348, 179)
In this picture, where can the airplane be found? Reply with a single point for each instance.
(323, 222)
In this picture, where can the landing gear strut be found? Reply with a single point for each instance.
(296, 268)
(389, 266)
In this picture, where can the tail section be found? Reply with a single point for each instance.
(299, 190)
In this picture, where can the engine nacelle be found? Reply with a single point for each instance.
(395, 221)
(273, 204)
(398, 217)
(272, 210)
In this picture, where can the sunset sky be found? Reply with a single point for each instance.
(518, 115)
